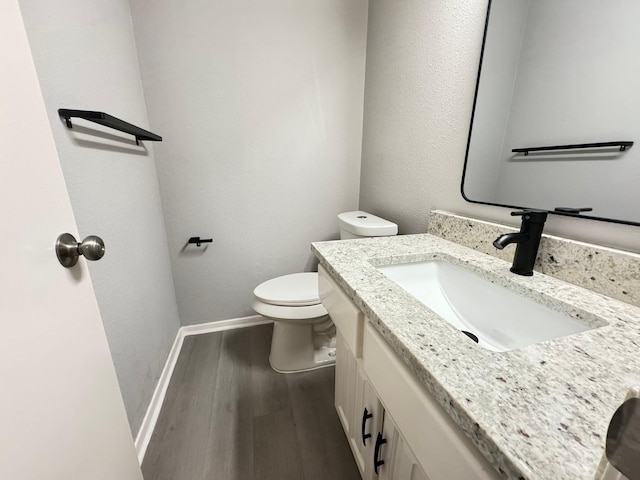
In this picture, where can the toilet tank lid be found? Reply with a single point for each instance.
(366, 225)
(295, 290)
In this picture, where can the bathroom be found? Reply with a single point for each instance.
(261, 149)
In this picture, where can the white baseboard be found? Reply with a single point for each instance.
(153, 411)
(224, 325)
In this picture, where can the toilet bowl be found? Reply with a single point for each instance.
(303, 333)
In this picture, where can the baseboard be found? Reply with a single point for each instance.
(222, 325)
(153, 411)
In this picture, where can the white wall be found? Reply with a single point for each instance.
(85, 57)
(422, 60)
(261, 106)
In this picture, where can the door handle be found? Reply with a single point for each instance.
(376, 453)
(365, 416)
(68, 249)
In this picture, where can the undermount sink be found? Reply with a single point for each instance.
(500, 319)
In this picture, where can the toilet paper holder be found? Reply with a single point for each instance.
(199, 241)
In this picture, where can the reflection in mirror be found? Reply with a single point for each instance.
(558, 73)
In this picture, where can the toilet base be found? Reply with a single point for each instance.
(302, 347)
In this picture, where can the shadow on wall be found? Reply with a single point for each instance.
(312, 261)
(190, 250)
(129, 147)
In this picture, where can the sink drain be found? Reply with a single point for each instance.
(470, 335)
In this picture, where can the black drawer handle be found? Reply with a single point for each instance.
(376, 453)
(365, 416)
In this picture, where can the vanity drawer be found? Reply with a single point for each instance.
(441, 447)
(345, 315)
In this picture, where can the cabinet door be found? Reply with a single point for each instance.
(404, 465)
(358, 407)
(395, 459)
(443, 449)
(392, 455)
(384, 448)
(368, 418)
(345, 394)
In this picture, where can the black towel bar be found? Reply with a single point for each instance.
(623, 146)
(108, 121)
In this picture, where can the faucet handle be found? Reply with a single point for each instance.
(532, 215)
(526, 211)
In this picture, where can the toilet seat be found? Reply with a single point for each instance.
(290, 298)
(309, 313)
(295, 290)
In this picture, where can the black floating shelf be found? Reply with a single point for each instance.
(622, 145)
(108, 121)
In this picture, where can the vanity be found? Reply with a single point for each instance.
(417, 396)
(419, 399)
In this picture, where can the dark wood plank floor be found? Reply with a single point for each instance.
(228, 416)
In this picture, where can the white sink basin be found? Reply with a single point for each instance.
(501, 319)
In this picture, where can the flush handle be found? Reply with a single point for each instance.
(68, 249)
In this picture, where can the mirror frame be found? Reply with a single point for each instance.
(466, 157)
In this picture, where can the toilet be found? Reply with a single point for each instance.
(303, 334)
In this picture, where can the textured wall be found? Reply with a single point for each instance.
(86, 59)
(422, 61)
(261, 106)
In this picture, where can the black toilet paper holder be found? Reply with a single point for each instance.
(199, 241)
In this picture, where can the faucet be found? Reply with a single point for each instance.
(527, 240)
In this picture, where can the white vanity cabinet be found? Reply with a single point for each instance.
(416, 439)
(377, 445)
(358, 407)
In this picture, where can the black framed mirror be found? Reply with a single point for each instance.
(557, 109)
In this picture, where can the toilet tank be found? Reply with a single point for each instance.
(360, 224)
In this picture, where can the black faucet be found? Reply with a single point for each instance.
(527, 239)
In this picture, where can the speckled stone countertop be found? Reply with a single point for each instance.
(538, 412)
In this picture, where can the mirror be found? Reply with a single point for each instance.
(562, 74)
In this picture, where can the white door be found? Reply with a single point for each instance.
(61, 412)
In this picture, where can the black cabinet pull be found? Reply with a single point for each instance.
(365, 416)
(376, 453)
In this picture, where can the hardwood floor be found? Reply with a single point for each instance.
(228, 416)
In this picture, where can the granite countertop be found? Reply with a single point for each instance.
(538, 412)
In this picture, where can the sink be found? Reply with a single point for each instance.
(501, 319)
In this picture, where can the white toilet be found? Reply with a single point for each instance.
(303, 334)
